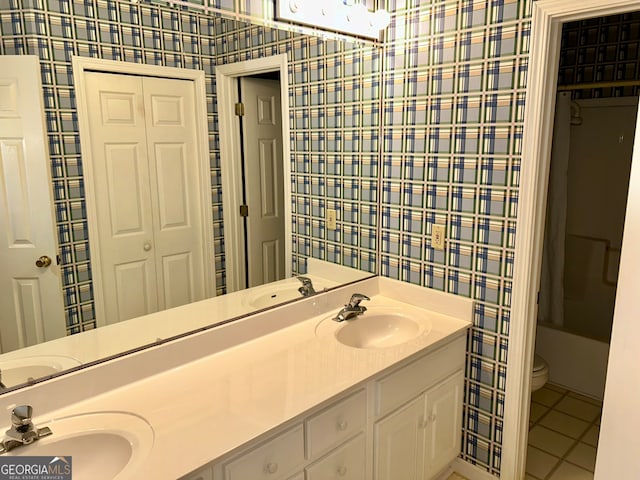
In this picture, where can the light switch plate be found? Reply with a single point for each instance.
(331, 219)
(437, 237)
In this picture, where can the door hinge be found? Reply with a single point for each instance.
(244, 210)
(240, 109)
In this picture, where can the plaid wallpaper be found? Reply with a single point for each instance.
(454, 84)
(423, 130)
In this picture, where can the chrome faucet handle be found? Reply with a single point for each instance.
(356, 298)
(21, 416)
(22, 431)
(307, 286)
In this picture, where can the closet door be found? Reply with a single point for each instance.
(172, 152)
(122, 196)
(145, 190)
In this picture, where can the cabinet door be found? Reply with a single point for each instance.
(444, 417)
(399, 443)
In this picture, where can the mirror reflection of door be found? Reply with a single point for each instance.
(30, 287)
(263, 177)
(143, 149)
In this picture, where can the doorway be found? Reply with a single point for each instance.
(548, 18)
(147, 170)
(260, 122)
(586, 201)
(232, 175)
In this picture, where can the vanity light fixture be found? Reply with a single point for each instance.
(344, 16)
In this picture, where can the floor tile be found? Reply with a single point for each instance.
(591, 437)
(566, 424)
(578, 408)
(566, 471)
(550, 441)
(540, 463)
(584, 456)
(537, 410)
(546, 396)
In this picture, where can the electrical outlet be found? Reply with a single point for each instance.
(331, 219)
(437, 237)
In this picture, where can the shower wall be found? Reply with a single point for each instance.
(600, 160)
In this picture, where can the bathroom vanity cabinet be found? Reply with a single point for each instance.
(402, 423)
(284, 394)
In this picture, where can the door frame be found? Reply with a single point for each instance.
(546, 29)
(80, 66)
(227, 96)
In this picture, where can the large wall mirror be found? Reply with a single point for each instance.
(330, 151)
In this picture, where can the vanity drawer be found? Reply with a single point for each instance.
(277, 458)
(413, 379)
(344, 463)
(336, 423)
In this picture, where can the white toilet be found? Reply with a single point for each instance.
(540, 374)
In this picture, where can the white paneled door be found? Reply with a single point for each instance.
(264, 183)
(145, 184)
(30, 287)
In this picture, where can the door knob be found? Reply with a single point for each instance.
(43, 261)
(147, 246)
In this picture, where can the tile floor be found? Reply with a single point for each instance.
(563, 435)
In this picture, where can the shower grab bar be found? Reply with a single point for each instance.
(607, 256)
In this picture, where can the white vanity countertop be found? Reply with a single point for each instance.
(204, 409)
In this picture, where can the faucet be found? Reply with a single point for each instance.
(352, 309)
(22, 431)
(307, 287)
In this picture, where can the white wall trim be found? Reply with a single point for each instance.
(548, 16)
(80, 66)
(231, 171)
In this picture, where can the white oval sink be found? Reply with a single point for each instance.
(281, 291)
(381, 326)
(378, 331)
(22, 370)
(272, 295)
(105, 445)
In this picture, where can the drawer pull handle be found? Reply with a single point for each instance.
(271, 467)
(343, 425)
(342, 470)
